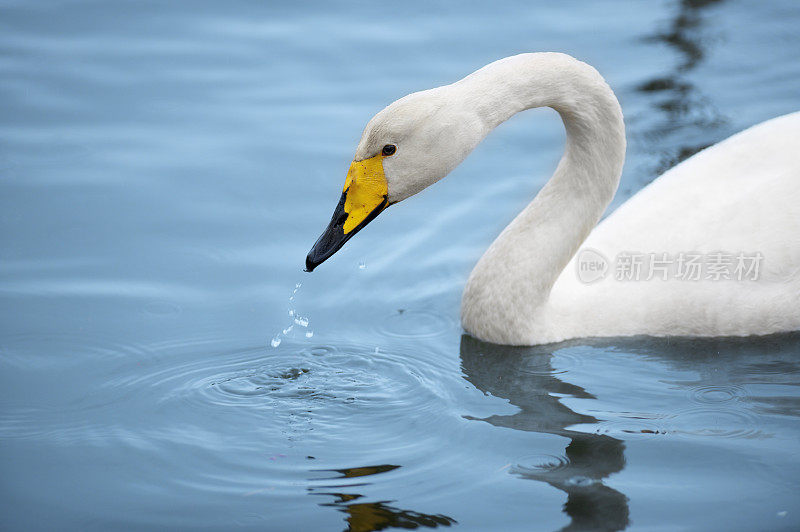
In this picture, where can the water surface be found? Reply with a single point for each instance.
(165, 167)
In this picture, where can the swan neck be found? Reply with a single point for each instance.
(513, 279)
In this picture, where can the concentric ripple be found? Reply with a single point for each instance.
(718, 422)
(718, 418)
(561, 361)
(540, 463)
(414, 324)
(294, 379)
(717, 394)
(238, 398)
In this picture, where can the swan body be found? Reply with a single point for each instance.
(741, 195)
(739, 198)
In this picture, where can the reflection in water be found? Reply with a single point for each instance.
(719, 388)
(691, 123)
(366, 517)
(726, 366)
(525, 377)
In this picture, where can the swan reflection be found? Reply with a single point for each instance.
(505, 372)
(688, 122)
(702, 389)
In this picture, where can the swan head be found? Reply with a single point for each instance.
(406, 147)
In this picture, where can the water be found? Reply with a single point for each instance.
(165, 167)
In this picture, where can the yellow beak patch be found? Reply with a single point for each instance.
(365, 196)
(365, 190)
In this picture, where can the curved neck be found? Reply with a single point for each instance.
(514, 277)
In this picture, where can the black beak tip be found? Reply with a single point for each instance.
(330, 241)
(311, 263)
(334, 237)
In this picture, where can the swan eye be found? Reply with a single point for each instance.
(389, 150)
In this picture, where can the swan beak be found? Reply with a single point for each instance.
(365, 195)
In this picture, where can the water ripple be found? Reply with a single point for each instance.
(540, 463)
(414, 324)
(717, 422)
(293, 381)
(716, 393)
(626, 425)
(252, 400)
(48, 350)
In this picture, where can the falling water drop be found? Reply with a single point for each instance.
(296, 318)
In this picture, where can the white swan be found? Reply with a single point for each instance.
(736, 204)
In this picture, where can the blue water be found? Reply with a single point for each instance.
(164, 169)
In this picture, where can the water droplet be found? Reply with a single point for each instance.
(297, 286)
(301, 321)
(288, 329)
(362, 264)
(309, 334)
(291, 313)
(276, 341)
(376, 350)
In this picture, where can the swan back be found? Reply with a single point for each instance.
(740, 196)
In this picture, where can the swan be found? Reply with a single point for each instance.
(735, 202)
